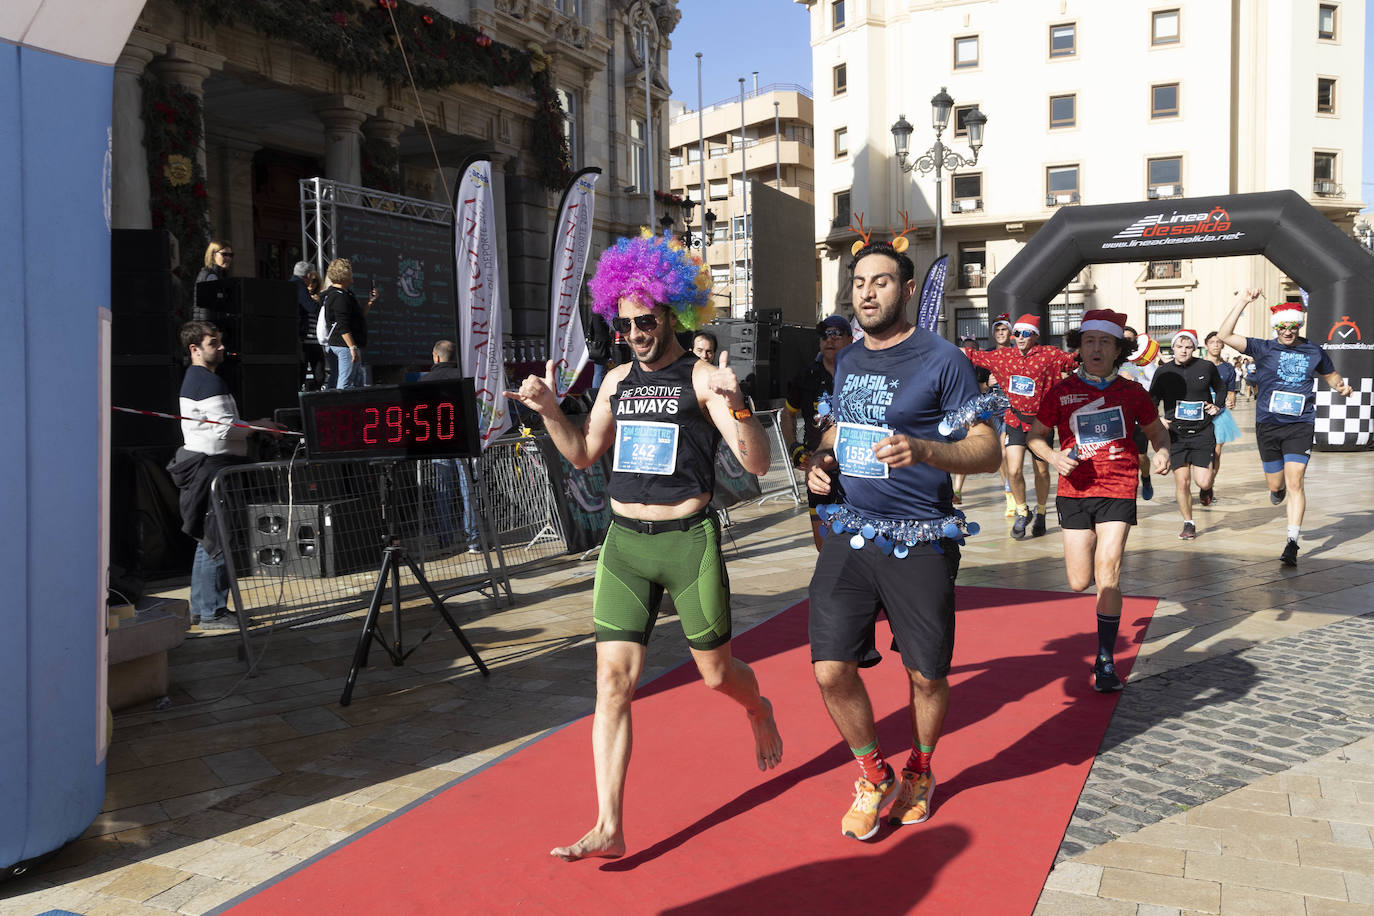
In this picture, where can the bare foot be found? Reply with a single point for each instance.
(595, 844)
(767, 741)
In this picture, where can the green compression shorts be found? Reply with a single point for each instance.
(635, 569)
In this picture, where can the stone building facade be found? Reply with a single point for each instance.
(275, 113)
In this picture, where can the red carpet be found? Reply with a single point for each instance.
(710, 834)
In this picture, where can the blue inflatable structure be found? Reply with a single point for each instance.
(56, 81)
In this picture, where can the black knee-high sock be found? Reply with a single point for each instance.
(1106, 634)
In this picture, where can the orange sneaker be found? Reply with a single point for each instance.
(914, 798)
(861, 820)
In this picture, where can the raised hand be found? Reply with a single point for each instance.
(725, 383)
(537, 393)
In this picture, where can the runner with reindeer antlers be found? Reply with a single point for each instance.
(1097, 412)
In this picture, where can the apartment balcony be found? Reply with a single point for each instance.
(1164, 270)
(1061, 199)
(1161, 191)
(1325, 188)
(974, 276)
(966, 205)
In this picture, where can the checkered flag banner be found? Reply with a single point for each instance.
(1345, 423)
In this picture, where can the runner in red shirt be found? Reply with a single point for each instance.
(1025, 372)
(1097, 412)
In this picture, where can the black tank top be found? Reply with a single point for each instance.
(666, 396)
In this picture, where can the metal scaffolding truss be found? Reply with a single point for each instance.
(321, 203)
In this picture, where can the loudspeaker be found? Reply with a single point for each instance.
(262, 385)
(320, 540)
(143, 250)
(144, 293)
(145, 383)
(258, 318)
(749, 346)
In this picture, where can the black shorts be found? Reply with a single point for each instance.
(849, 586)
(1197, 448)
(1019, 436)
(1082, 513)
(1275, 440)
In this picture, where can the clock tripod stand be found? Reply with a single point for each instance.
(394, 555)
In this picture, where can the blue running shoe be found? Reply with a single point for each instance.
(1147, 489)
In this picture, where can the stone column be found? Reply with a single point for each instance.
(232, 196)
(129, 191)
(383, 130)
(188, 67)
(343, 117)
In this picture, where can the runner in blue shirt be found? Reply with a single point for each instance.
(1285, 411)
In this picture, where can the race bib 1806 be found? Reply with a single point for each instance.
(854, 450)
(1286, 403)
(1023, 386)
(1099, 427)
(1188, 411)
(644, 447)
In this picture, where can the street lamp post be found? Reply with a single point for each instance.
(939, 157)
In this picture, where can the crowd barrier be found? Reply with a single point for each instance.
(303, 540)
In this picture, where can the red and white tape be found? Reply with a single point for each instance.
(172, 416)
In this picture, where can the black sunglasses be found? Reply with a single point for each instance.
(643, 322)
(828, 333)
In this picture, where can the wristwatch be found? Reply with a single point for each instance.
(743, 413)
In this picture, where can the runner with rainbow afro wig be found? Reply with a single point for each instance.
(653, 270)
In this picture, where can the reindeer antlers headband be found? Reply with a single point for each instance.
(899, 242)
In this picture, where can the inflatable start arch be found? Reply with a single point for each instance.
(56, 83)
(1336, 272)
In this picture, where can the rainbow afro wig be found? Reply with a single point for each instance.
(653, 270)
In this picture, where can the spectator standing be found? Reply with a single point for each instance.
(447, 470)
(306, 279)
(346, 319)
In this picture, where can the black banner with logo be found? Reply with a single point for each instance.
(1336, 272)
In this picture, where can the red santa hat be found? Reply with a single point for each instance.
(1105, 320)
(1003, 318)
(1188, 333)
(1285, 312)
(1027, 323)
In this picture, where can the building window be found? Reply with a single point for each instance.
(973, 265)
(1163, 318)
(569, 101)
(1063, 40)
(837, 15)
(1164, 177)
(841, 204)
(841, 142)
(1164, 27)
(639, 157)
(718, 190)
(1326, 95)
(571, 8)
(1164, 270)
(1063, 111)
(742, 227)
(966, 193)
(972, 323)
(841, 77)
(1326, 21)
(966, 52)
(1324, 175)
(1064, 315)
(1061, 185)
(1164, 100)
(961, 113)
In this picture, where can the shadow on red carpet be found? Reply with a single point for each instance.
(708, 833)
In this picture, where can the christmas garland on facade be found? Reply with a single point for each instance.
(172, 125)
(357, 37)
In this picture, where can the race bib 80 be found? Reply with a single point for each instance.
(1099, 427)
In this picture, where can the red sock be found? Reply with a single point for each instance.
(871, 763)
(919, 760)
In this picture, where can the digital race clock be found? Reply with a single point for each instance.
(436, 419)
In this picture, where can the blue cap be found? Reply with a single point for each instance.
(837, 322)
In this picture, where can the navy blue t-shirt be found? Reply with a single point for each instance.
(908, 389)
(1228, 375)
(1284, 377)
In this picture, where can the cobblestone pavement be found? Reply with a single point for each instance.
(1193, 734)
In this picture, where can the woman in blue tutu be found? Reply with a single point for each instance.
(1223, 424)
